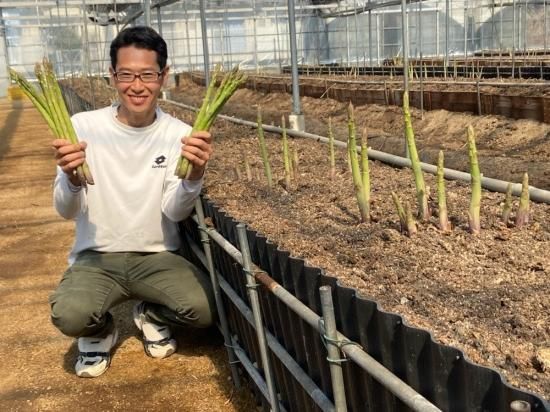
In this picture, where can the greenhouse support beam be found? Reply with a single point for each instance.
(147, 12)
(296, 119)
(405, 40)
(204, 35)
(494, 185)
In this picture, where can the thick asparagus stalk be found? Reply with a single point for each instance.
(331, 159)
(444, 223)
(507, 207)
(49, 102)
(295, 163)
(212, 104)
(263, 150)
(409, 220)
(522, 216)
(365, 173)
(362, 199)
(406, 219)
(247, 167)
(421, 195)
(475, 201)
(286, 154)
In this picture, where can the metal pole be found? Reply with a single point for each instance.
(348, 57)
(370, 35)
(465, 35)
(256, 311)
(70, 59)
(277, 37)
(206, 57)
(296, 120)
(421, 64)
(116, 16)
(513, 38)
(187, 41)
(545, 27)
(378, 34)
(205, 239)
(227, 35)
(356, 40)
(447, 11)
(159, 20)
(309, 386)
(255, 42)
(147, 12)
(87, 53)
(331, 338)
(405, 37)
(5, 45)
(437, 29)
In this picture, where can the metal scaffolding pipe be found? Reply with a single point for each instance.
(329, 334)
(385, 377)
(494, 185)
(303, 379)
(257, 314)
(209, 264)
(204, 36)
(147, 12)
(294, 59)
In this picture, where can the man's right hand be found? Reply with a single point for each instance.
(68, 157)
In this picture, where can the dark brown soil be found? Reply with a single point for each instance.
(485, 294)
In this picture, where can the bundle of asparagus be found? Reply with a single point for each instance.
(211, 105)
(49, 102)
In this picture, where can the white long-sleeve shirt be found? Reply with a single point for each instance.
(136, 199)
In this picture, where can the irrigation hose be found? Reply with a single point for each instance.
(488, 183)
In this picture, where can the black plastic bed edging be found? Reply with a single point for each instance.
(440, 373)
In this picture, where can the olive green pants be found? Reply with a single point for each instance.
(178, 293)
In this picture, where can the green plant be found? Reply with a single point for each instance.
(212, 104)
(444, 223)
(475, 201)
(421, 194)
(263, 150)
(522, 216)
(49, 102)
(360, 177)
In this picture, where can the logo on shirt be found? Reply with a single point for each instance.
(159, 162)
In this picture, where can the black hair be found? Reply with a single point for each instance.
(141, 37)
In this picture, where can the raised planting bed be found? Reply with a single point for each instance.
(486, 295)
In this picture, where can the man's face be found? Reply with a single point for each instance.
(138, 96)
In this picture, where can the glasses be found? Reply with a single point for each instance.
(145, 77)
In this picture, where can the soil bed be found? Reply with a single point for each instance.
(486, 295)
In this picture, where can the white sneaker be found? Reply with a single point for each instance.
(95, 355)
(157, 339)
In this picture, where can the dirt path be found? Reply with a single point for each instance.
(37, 360)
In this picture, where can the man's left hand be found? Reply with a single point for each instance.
(197, 148)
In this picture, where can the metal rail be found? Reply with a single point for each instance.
(355, 352)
